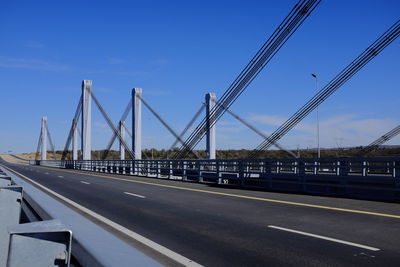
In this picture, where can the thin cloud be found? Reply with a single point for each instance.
(103, 89)
(115, 60)
(160, 62)
(229, 126)
(131, 73)
(228, 123)
(31, 64)
(34, 44)
(349, 128)
(158, 92)
(271, 120)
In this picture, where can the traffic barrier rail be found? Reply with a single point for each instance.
(367, 178)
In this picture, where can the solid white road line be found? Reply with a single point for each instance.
(83, 182)
(60, 176)
(147, 242)
(325, 238)
(135, 195)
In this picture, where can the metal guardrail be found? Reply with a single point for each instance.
(23, 243)
(354, 177)
(91, 245)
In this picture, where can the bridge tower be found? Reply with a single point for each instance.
(43, 136)
(121, 146)
(86, 119)
(137, 122)
(210, 138)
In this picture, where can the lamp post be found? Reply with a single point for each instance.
(316, 89)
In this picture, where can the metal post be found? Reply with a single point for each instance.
(137, 123)
(121, 147)
(75, 141)
(86, 119)
(210, 140)
(44, 138)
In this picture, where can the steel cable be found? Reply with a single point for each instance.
(72, 129)
(113, 128)
(279, 37)
(112, 140)
(381, 140)
(366, 56)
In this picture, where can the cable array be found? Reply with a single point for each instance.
(279, 37)
(366, 56)
(113, 128)
(114, 136)
(381, 140)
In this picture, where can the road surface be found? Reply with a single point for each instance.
(216, 226)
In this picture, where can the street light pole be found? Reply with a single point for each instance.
(316, 89)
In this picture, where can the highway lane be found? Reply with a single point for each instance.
(221, 227)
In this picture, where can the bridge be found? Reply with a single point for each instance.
(186, 209)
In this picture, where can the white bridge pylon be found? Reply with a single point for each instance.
(84, 111)
(86, 120)
(43, 137)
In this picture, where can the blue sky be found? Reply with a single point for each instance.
(179, 50)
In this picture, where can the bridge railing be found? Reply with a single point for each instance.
(384, 166)
(336, 176)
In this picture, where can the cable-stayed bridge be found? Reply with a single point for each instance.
(136, 210)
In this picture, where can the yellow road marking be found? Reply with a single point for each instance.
(236, 195)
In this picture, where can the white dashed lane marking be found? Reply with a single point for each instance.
(135, 195)
(324, 238)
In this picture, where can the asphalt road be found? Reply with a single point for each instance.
(217, 226)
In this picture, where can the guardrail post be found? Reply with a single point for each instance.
(337, 167)
(396, 169)
(364, 169)
(315, 167)
(158, 169)
(217, 170)
(49, 239)
(201, 168)
(184, 175)
(10, 212)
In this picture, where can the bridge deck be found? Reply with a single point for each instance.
(231, 227)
